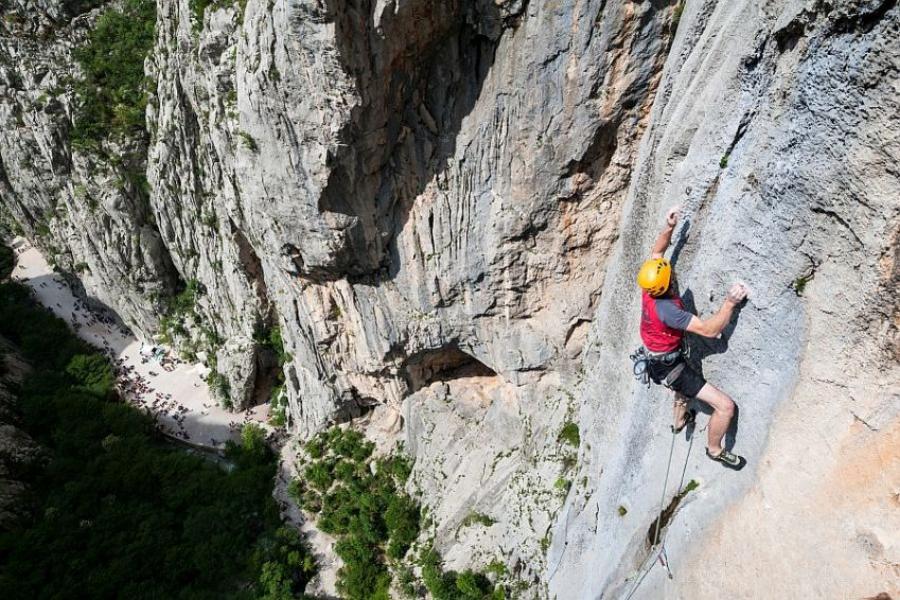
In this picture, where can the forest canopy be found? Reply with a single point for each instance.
(117, 512)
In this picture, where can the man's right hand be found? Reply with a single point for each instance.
(736, 294)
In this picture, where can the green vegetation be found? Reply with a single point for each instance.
(112, 94)
(562, 484)
(451, 585)
(271, 339)
(184, 327)
(622, 511)
(358, 499)
(115, 512)
(477, 518)
(497, 568)
(93, 372)
(8, 222)
(248, 140)
(799, 284)
(198, 8)
(692, 485)
(186, 300)
(7, 261)
(278, 406)
(569, 434)
(723, 162)
(42, 228)
(219, 384)
(181, 307)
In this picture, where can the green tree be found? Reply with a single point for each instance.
(93, 372)
(116, 510)
(7, 261)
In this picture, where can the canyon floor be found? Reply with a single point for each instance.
(179, 399)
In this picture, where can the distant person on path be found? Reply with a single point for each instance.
(663, 323)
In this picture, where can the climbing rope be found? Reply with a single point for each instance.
(662, 500)
(659, 553)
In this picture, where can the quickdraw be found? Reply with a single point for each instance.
(641, 361)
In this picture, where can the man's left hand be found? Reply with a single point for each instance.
(672, 216)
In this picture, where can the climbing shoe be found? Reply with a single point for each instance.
(690, 418)
(732, 461)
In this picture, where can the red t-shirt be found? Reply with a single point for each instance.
(663, 321)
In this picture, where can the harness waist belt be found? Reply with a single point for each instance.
(664, 356)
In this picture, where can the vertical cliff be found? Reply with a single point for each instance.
(86, 206)
(776, 126)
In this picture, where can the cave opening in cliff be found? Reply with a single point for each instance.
(443, 364)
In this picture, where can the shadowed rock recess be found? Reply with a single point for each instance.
(441, 205)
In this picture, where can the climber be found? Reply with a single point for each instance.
(663, 323)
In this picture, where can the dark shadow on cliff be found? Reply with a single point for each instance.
(681, 241)
(413, 99)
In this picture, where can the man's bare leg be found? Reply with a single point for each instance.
(723, 411)
(679, 410)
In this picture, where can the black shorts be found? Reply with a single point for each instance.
(689, 382)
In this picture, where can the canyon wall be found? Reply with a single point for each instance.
(776, 126)
(441, 206)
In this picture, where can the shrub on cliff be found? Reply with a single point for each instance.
(112, 93)
(451, 585)
(360, 501)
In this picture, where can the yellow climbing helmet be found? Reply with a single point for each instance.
(655, 275)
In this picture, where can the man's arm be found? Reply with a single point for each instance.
(714, 325)
(665, 236)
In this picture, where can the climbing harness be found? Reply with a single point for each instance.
(659, 553)
(641, 359)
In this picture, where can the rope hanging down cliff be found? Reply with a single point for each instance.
(658, 548)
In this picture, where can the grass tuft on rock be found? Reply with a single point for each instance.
(477, 518)
(569, 434)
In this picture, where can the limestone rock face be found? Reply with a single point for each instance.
(81, 210)
(776, 126)
(441, 205)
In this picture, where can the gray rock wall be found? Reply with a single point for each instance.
(82, 210)
(775, 125)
